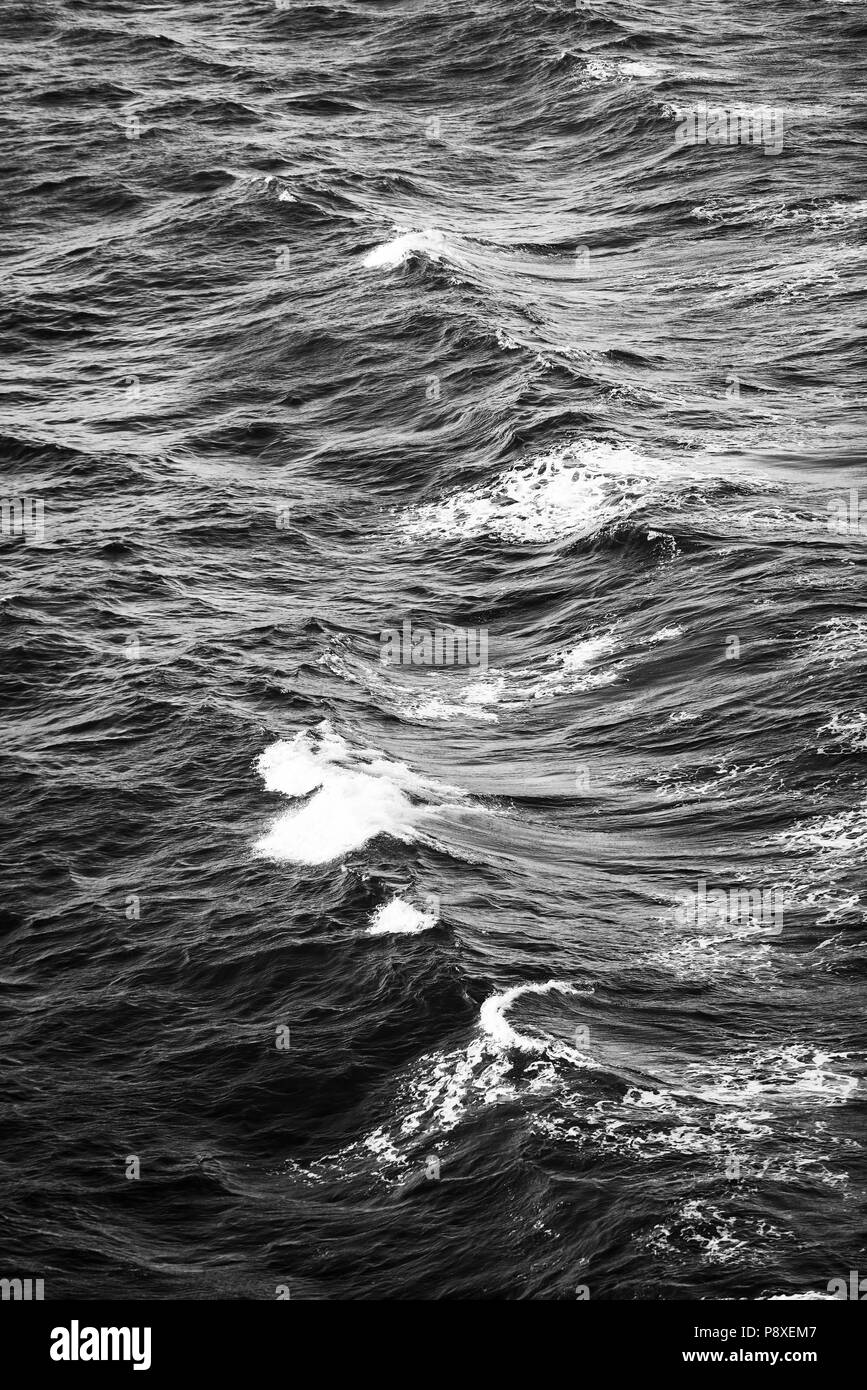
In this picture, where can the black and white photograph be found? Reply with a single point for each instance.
(434, 642)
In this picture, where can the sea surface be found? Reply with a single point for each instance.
(332, 978)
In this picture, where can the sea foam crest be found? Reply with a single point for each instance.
(401, 248)
(351, 797)
(571, 491)
(399, 918)
(448, 1085)
(500, 1031)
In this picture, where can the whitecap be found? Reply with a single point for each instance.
(399, 918)
(572, 491)
(401, 248)
(352, 797)
(444, 1087)
(497, 1027)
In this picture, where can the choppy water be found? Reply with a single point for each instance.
(324, 318)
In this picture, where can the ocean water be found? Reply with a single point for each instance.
(366, 980)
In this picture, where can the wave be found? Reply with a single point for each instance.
(776, 213)
(579, 668)
(828, 881)
(627, 70)
(399, 918)
(593, 660)
(352, 798)
(588, 664)
(833, 840)
(471, 701)
(848, 729)
(745, 948)
(436, 698)
(571, 491)
(713, 1109)
(793, 1075)
(391, 254)
(701, 1229)
(446, 1087)
(496, 1026)
(837, 640)
(732, 1108)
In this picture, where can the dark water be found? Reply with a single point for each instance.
(321, 319)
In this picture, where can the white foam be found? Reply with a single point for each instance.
(731, 1105)
(664, 634)
(790, 1075)
(507, 342)
(819, 893)
(837, 640)
(626, 69)
(383, 1148)
(579, 668)
(438, 696)
(605, 70)
(707, 1232)
(436, 708)
(400, 918)
(841, 212)
(296, 767)
(472, 700)
(390, 254)
(441, 1094)
(593, 660)
(347, 812)
(849, 729)
(747, 949)
(596, 659)
(775, 213)
(572, 491)
(497, 1027)
(829, 851)
(590, 650)
(485, 692)
(639, 68)
(444, 1087)
(356, 796)
(831, 838)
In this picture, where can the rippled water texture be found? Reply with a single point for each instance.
(384, 979)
